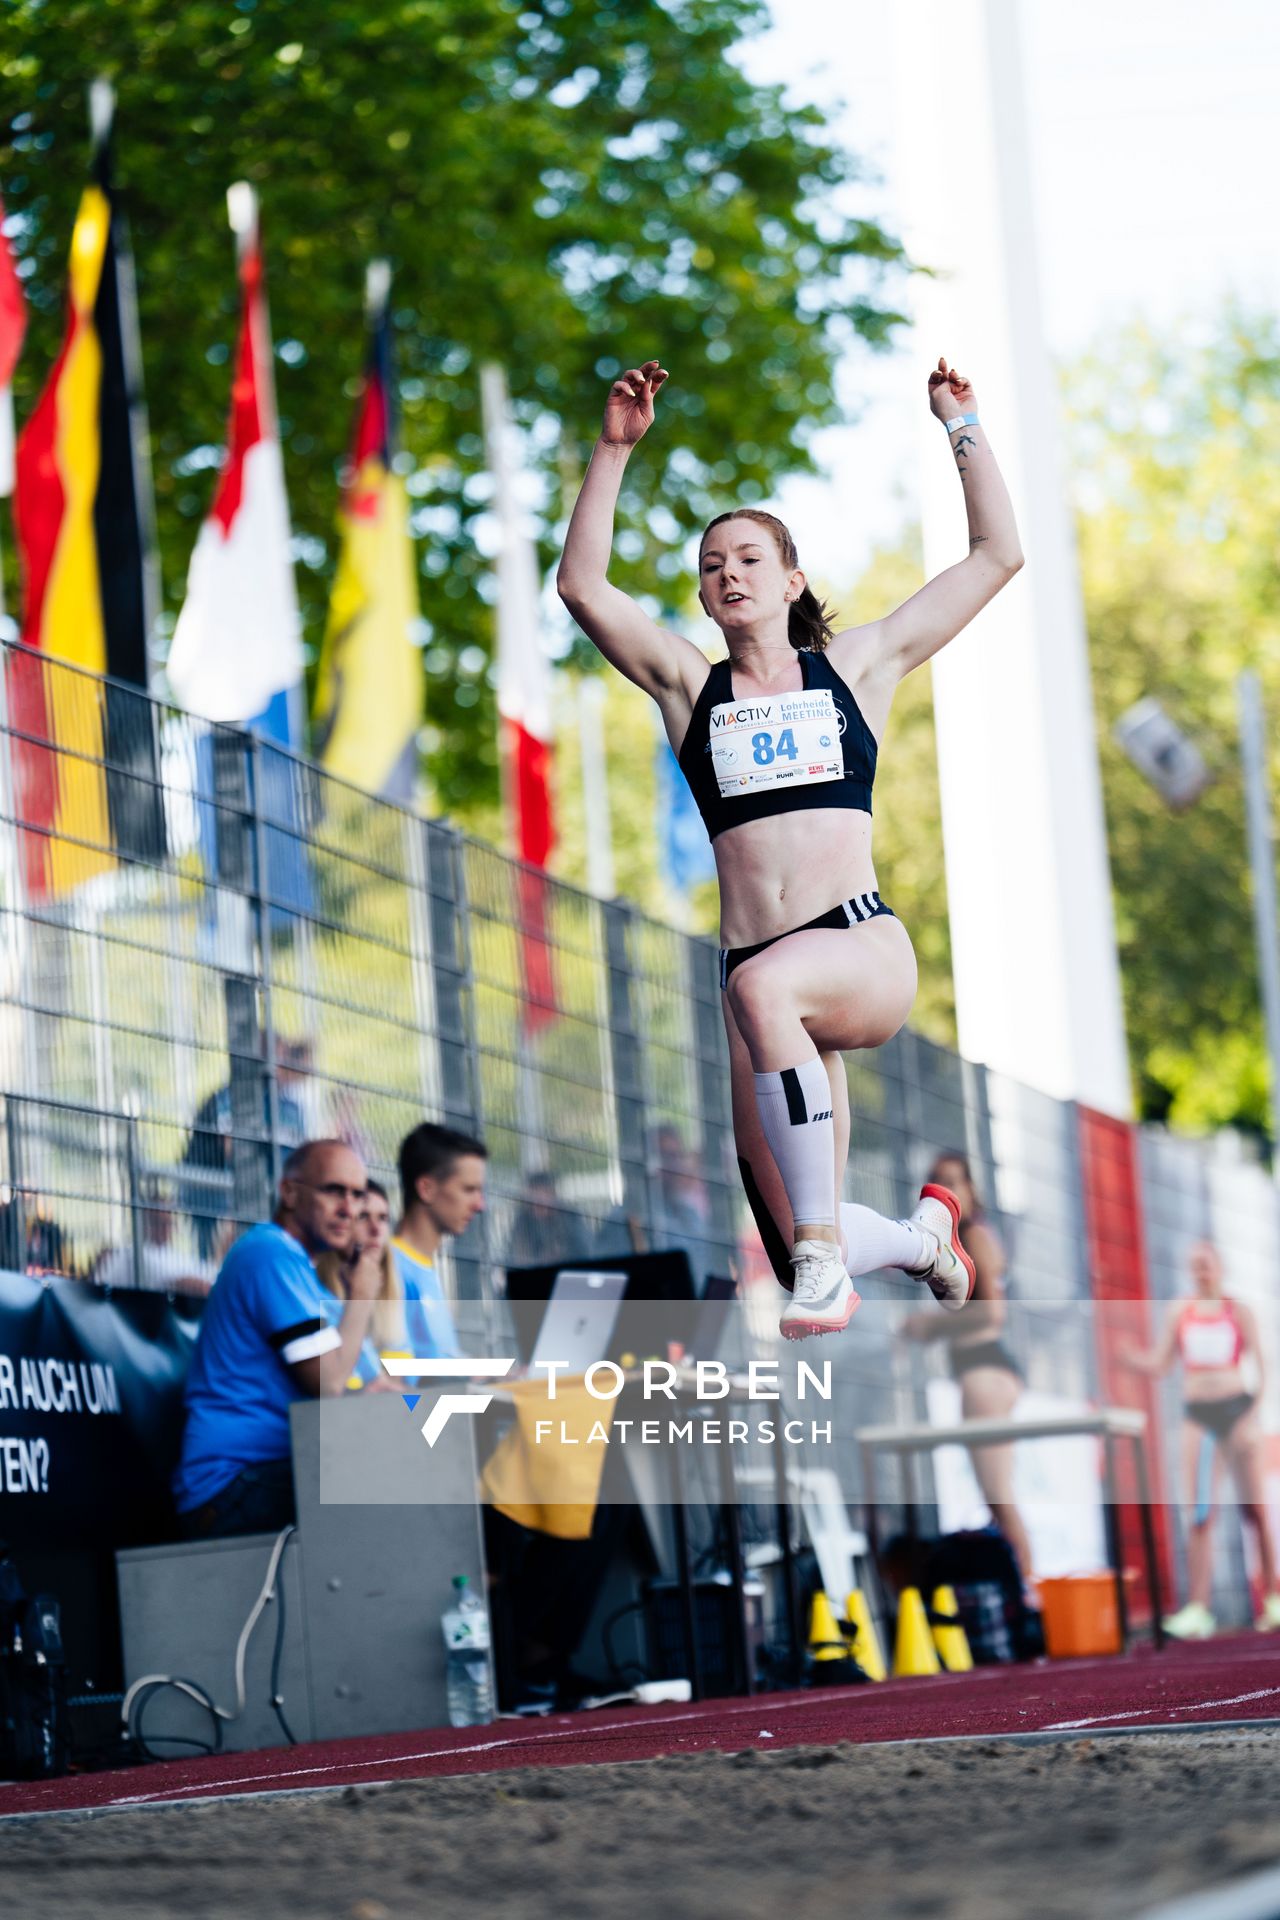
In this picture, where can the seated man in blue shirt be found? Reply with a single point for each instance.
(442, 1188)
(268, 1338)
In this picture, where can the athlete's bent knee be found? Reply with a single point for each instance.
(750, 999)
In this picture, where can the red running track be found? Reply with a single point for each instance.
(1231, 1678)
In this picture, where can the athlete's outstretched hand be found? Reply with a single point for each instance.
(950, 393)
(628, 412)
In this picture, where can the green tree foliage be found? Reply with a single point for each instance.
(565, 187)
(1173, 452)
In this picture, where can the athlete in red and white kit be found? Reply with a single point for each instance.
(779, 745)
(1215, 1338)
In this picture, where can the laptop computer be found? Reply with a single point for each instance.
(657, 1304)
(577, 1325)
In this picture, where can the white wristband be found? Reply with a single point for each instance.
(961, 420)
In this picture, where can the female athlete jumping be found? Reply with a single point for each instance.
(779, 744)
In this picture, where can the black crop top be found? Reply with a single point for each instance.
(747, 760)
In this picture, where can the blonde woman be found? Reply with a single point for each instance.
(386, 1334)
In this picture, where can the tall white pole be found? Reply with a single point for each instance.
(595, 787)
(7, 448)
(524, 670)
(1032, 934)
(1260, 823)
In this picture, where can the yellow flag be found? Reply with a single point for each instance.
(369, 688)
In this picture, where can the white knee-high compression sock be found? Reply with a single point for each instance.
(795, 1112)
(874, 1241)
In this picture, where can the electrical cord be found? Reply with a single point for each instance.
(277, 1698)
(145, 1688)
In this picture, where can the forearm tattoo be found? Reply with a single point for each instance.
(965, 440)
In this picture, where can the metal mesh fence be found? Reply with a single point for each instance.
(210, 950)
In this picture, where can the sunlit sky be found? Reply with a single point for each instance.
(1156, 152)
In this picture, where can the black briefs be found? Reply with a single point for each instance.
(850, 913)
(1218, 1416)
(983, 1353)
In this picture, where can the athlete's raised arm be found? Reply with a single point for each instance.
(1155, 1361)
(611, 619)
(890, 648)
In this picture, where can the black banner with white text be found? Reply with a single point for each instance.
(90, 1413)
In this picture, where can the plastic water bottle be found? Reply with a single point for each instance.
(466, 1650)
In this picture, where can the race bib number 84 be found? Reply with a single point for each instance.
(791, 740)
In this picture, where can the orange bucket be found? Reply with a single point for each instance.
(1080, 1615)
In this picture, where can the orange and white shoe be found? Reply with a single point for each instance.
(822, 1296)
(950, 1274)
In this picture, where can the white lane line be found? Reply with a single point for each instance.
(1159, 1706)
(1023, 1737)
(385, 1760)
(819, 1696)
(531, 1739)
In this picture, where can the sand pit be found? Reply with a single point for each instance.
(973, 1830)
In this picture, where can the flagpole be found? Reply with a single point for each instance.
(242, 216)
(13, 323)
(377, 289)
(524, 673)
(244, 219)
(102, 111)
(595, 787)
(6, 489)
(7, 445)
(493, 404)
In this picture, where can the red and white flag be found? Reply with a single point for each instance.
(13, 324)
(524, 671)
(238, 646)
(524, 692)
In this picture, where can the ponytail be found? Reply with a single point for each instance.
(810, 621)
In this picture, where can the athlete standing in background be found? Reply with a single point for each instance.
(988, 1375)
(779, 745)
(1214, 1336)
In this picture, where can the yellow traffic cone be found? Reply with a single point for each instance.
(949, 1636)
(913, 1648)
(866, 1644)
(825, 1641)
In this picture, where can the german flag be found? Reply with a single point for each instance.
(86, 766)
(368, 702)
